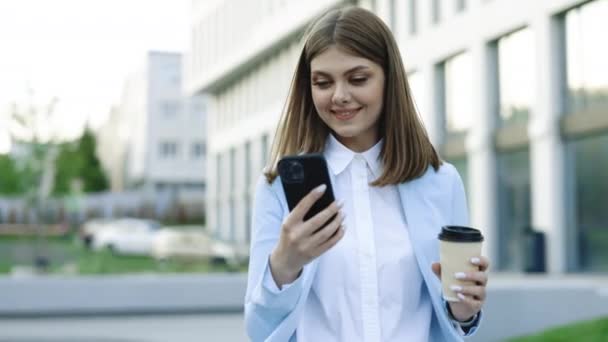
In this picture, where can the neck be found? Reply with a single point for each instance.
(358, 144)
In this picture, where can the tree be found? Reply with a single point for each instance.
(9, 177)
(77, 161)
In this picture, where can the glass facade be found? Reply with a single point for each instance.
(516, 75)
(248, 178)
(412, 23)
(514, 204)
(586, 55)
(218, 194)
(463, 169)
(417, 87)
(458, 93)
(590, 159)
(232, 202)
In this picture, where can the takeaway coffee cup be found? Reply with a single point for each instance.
(457, 245)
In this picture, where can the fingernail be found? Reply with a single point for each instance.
(460, 275)
(456, 288)
(475, 261)
(340, 203)
(321, 188)
(460, 295)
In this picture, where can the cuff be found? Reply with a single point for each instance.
(466, 328)
(271, 285)
(269, 294)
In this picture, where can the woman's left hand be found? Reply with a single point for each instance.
(471, 297)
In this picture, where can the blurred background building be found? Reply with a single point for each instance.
(155, 137)
(513, 93)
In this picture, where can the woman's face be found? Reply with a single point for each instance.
(348, 92)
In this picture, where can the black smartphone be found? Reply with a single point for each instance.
(302, 173)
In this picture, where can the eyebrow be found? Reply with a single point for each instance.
(351, 70)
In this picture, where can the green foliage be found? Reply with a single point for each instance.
(9, 177)
(590, 331)
(77, 161)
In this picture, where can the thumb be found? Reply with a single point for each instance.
(436, 269)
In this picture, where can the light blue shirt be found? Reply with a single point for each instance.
(376, 284)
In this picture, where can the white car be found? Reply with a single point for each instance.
(127, 236)
(88, 229)
(190, 243)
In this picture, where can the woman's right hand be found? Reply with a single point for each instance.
(303, 241)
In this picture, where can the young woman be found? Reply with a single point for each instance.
(369, 274)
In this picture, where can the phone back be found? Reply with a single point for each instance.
(302, 173)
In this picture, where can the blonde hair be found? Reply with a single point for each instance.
(407, 151)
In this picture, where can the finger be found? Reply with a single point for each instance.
(297, 214)
(328, 231)
(480, 278)
(482, 262)
(436, 267)
(329, 243)
(477, 292)
(470, 302)
(320, 219)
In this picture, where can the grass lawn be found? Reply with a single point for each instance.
(589, 331)
(68, 255)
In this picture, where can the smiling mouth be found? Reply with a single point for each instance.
(345, 114)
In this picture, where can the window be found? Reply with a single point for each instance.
(412, 25)
(264, 149)
(514, 207)
(458, 80)
(590, 159)
(248, 200)
(218, 194)
(392, 15)
(586, 56)
(436, 11)
(248, 170)
(462, 167)
(197, 107)
(232, 202)
(198, 150)
(516, 75)
(461, 5)
(417, 86)
(169, 109)
(232, 170)
(168, 149)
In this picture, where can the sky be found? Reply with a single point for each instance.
(81, 52)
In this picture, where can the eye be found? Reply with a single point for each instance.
(322, 84)
(358, 80)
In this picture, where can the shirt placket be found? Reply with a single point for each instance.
(366, 251)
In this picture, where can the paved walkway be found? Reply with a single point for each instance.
(168, 328)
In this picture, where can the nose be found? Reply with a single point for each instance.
(341, 94)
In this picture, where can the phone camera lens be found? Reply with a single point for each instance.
(296, 171)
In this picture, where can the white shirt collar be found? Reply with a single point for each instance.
(339, 156)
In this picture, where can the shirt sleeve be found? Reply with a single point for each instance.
(287, 295)
(265, 305)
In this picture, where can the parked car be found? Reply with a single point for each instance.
(88, 229)
(127, 236)
(191, 243)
